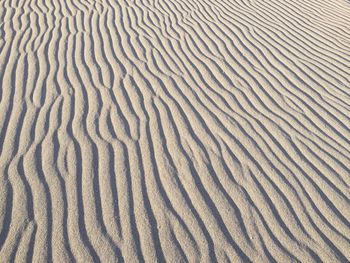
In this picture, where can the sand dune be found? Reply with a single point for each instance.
(175, 130)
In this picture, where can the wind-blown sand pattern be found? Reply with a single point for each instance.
(174, 130)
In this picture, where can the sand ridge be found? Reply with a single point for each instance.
(174, 130)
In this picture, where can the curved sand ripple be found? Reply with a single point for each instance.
(174, 130)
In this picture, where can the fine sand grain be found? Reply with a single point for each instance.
(174, 130)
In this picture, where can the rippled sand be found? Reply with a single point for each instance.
(174, 130)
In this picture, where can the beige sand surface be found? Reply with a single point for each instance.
(174, 130)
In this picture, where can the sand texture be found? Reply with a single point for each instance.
(174, 131)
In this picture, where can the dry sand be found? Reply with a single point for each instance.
(174, 130)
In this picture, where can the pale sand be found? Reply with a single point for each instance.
(175, 130)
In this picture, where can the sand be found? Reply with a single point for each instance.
(174, 131)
